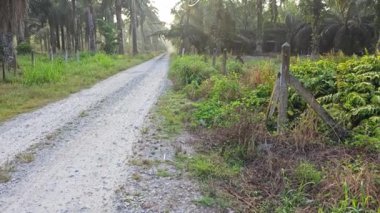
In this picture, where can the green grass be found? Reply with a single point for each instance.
(208, 167)
(163, 173)
(174, 109)
(212, 201)
(50, 81)
(307, 173)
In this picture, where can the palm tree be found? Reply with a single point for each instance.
(312, 11)
(90, 21)
(120, 26)
(377, 23)
(12, 13)
(346, 28)
(260, 20)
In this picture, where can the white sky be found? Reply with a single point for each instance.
(164, 8)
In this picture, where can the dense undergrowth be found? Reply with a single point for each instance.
(49, 80)
(246, 165)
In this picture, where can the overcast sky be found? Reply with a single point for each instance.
(164, 7)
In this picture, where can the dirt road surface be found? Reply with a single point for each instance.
(82, 144)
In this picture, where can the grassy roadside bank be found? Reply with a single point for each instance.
(244, 165)
(50, 81)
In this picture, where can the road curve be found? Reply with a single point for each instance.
(92, 132)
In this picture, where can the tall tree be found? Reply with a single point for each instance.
(75, 26)
(377, 23)
(12, 13)
(260, 20)
(120, 26)
(133, 20)
(90, 26)
(312, 10)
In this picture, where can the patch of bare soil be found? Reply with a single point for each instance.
(153, 183)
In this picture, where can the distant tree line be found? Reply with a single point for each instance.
(256, 26)
(58, 26)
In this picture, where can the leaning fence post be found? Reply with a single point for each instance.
(224, 66)
(283, 88)
(214, 57)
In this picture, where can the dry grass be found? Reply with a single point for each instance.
(306, 131)
(6, 172)
(361, 183)
(259, 74)
(26, 157)
(271, 162)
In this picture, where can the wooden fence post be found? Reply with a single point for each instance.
(214, 57)
(283, 89)
(339, 131)
(15, 64)
(3, 67)
(224, 65)
(33, 59)
(280, 95)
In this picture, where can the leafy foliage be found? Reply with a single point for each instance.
(184, 71)
(349, 90)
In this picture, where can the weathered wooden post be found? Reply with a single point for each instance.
(33, 59)
(280, 95)
(15, 63)
(3, 66)
(183, 52)
(224, 65)
(283, 89)
(78, 56)
(214, 57)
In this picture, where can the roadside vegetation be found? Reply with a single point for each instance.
(243, 163)
(49, 81)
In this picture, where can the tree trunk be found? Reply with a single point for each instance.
(75, 32)
(53, 41)
(57, 35)
(120, 24)
(91, 29)
(143, 33)
(133, 28)
(377, 24)
(317, 9)
(259, 35)
(21, 33)
(63, 38)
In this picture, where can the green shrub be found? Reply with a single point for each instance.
(187, 69)
(234, 66)
(24, 48)
(348, 89)
(306, 173)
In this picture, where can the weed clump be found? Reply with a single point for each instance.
(190, 69)
(307, 173)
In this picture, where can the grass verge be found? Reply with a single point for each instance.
(50, 81)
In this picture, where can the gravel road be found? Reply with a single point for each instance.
(88, 136)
